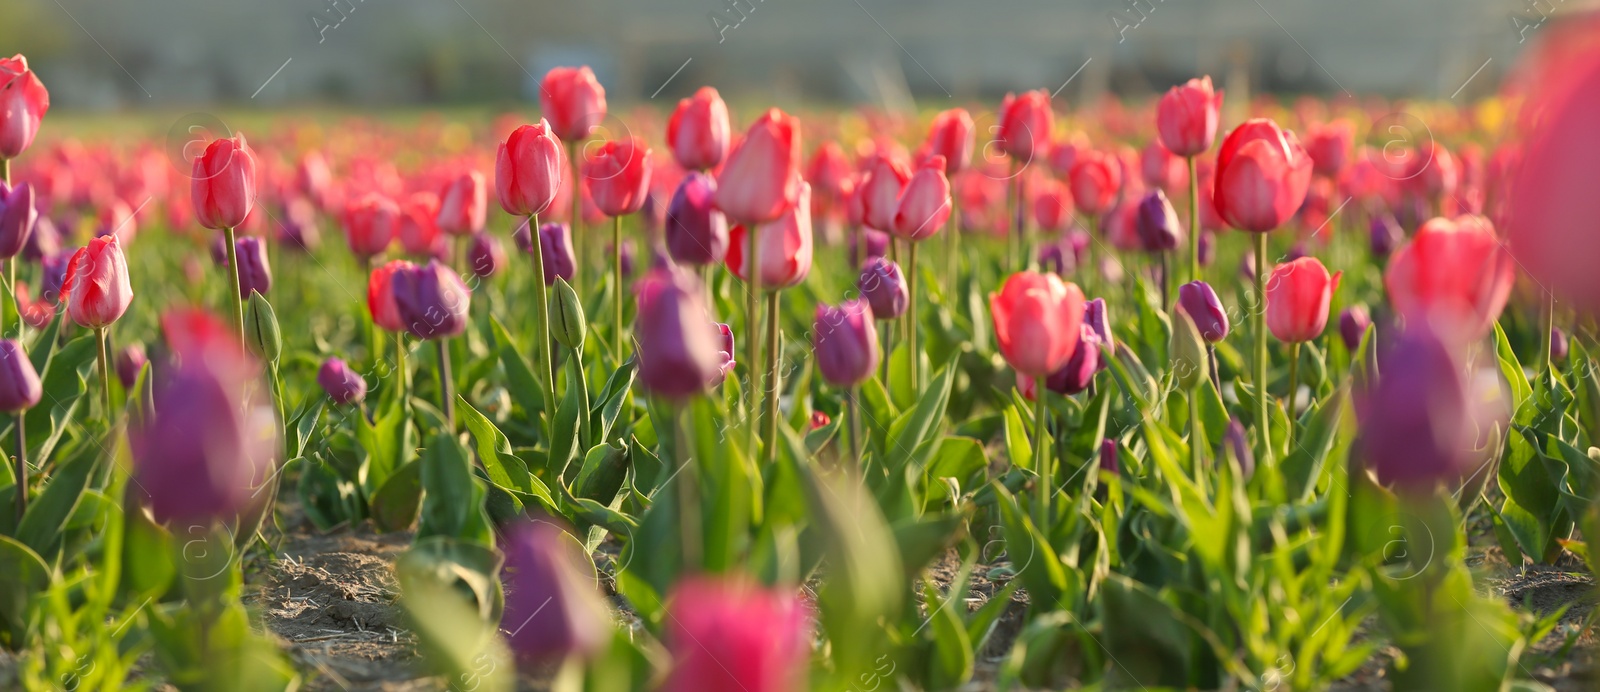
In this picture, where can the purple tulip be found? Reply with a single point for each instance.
(432, 301)
(625, 258)
(299, 227)
(485, 256)
(55, 273)
(1384, 234)
(1558, 344)
(553, 610)
(733, 635)
(697, 233)
(882, 284)
(1234, 439)
(1295, 252)
(1247, 267)
(555, 242)
(877, 246)
(1080, 369)
(1096, 317)
(1078, 241)
(1053, 258)
(679, 345)
(341, 383)
(19, 383)
(1109, 455)
(726, 355)
(845, 340)
(1203, 306)
(1159, 229)
(130, 361)
(219, 250)
(44, 241)
(17, 217)
(1353, 323)
(254, 272)
(1208, 248)
(1428, 416)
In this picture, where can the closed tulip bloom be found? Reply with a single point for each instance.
(432, 301)
(555, 241)
(1329, 146)
(19, 383)
(733, 635)
(785, 247)
(553, 609)
(1383, 234)
(725, 357)
(341, 383)
(761, 179)
(464, 205)
(1052, 207)
(1237, 443)
(53, 275)
(1262, 176)
(299, 228)
(1025, 125)
(485, 256)
(618, 176)
(573, 101)
(1423, 424)
(679, 346)
(924, 204)
(96, 288)
(131, 360)
(1076, 375)
(312, 178)
(380, 295)
(952, 136)
(1353, 323)
(698, 131)
(528, 170)
(1095, 180)
(1187, 116)
(370, 224)
(884, 287)
(1162, 169)
(255, 274)
(1159, 229)
(1453, 272)
(1298, 294)
(1036, 319)
(696, 233)
(222, 187)
(1096, 316)
(845, 341)
(879, 192)
(1203, 306)
(418, 227)
(23, 103)
(18, 216)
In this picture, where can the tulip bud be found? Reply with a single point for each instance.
(1109, 455)
(1201, 303)
(696, 232)
(25, 101)
(1237, 444)
(222, 188)
(678, 342)
(131, 360)
(546, 580)
(1159, 229)
(567, 323)
(1096, 316)
(261, 328)
(884, 288)
(17, 218)
(698, 131)
(528, 169)
(254, 272)
(341, 383)
(617, 174)
(96, 288)
(485, 255)
(845, 341)
(1558, 345)
(573, 101)
(432, 301)
(1190, 360)
(1384, 234)
(725, 356)
(19, 383)
(1353, 323)
(736, 635)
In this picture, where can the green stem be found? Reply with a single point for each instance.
(1549, 331)
(853, 414)
(1259, 317)
(616, 295)
(1041, 455)
(911, 315)
(233, 290)
(11, 289)
(105, 375)
(1195, 453)
(752, 340)
(400, 365)
(688, 497)
(541, 319)
(773, 385)
(951, 235)
(22, 466)
(1294, 388)
(447, 397)
(1194, 223)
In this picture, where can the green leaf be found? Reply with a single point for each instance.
(24, 576)
(395, 505)
(608, 406)
(567, 432)
(1018, 448)
(524, 386)
(503, 467)
(918, 425)
(450, 496)
(48, 514)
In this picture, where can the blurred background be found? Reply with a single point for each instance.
(169, 54)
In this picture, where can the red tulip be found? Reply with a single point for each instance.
(618, 176)
(827, 171)
(380, 295)
(1298, 294)
(96, 289)
(1186, 117)
(761, 178)
(370, 224)
(1052, 207)
(528, 170)
(1162, 169)
(1036, 321)
(23, 103)
(698, 132)
(1329, 146)
(732, 635)
(951, 136)
(1453, 273)
(1262, 176)
(1025, 125)
(313, 180)
(418, 228)
(1095, 179)
(223, 186)
(785, 247)
(879, 192)
(1064, 154)
(924, 205)
(573, 101)
(464, 205)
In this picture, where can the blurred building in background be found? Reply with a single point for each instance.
(175, 53)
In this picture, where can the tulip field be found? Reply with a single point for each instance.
(1203, 391)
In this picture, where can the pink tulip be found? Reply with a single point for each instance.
(1187, 115)
(733, 635)
(924, 205)
(1036, 321)
(785, 247)
(1298, 294)
(573, 101)
(464, 205)
(951, 136)
(96, 289)
(761, 179)
(618, 176)
(1025, 125)
(698, 132)
(223, 186)
(1262, 176)
(370, 224)
(23, 103)
(879, 193)
(528, 170)
(1453, 273)
(1095, 179)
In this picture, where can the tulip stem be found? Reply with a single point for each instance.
(11, 289)
(853, 416)
(952, 262)
(1194, 223)
(688, 496)
(773, 346)
(1294, 389)
(752, 342)
(447, 395)
(1259, 317)
(105, 374)
(1549, 340)
(616, 296)
(1195, 455)
(541, 320)
(22, 466)
(1020, 252)
(911, 315)
(1041, 455)
(233, 290)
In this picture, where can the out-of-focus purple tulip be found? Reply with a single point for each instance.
(299, 229)
(1428, 418)
(19, 383)
(433, 302)
(1077, 374)
(485, 256)
(1109, 456)
(341, 383)
(130, 360)
(555, 241)
(726, 355)
(877, 246)
(1078, 242)
(44, 241)
(845, 341)
(884, 287)
(696, 232)
(1053, 258)
(1247, 267)
(1159, 229)
(1208, 248)
(254, 272)
(55, 273)
(679, 345)
(653, 213)
(1384, 234)
(1295, 252)
(553, 610)
(1234, 439)
(626, 257)
(219, 250)
(1095, 315)
(1353, 323)
(17, 217)
(1203, 306)
(1558, 344)
(731, 635)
